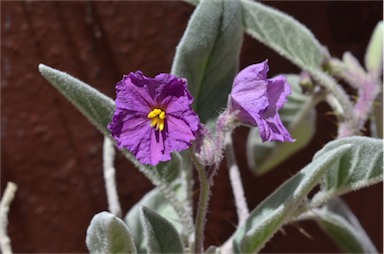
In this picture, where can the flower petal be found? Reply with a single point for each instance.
(128, 129)
(278, 91)
(179, 134)
(251, 73)
(149, 85)
(158, 150)
(173, 88)
(249, 92)
(181, 108)
(272, 129)
(131, 97)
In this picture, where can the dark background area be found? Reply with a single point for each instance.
(53, 153)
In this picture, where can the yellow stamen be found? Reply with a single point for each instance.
(154, 113)
(157, 117)
(154, 121)
(151, 114)
(161, 125)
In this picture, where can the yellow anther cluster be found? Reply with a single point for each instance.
(157, 115)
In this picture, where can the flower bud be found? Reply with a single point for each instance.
(206, 150)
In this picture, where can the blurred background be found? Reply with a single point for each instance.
(54, 154)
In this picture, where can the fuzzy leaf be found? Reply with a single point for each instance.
(283, 34)
(299, 116)
(338, 221)
(374, 55)
(266, 219)
(360, 167)
(108, 234)
(96, 106)
(208, 54)
(160, 235)
(156, 202)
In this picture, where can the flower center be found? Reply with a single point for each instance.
(158, 116)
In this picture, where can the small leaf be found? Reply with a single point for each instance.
(374, 55)
(338, 221)
(160, 235)
(156, 202)
(360, 167)
(96, 106)
(266, 219)
(208, 54)
(299, 116)
(108, 234)
(283, 34)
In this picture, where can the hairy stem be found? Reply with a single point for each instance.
(342, 104)
(202, 206)
(187, 185)
(235, 179)
(367, 95)
(9, 194)
(109, 177)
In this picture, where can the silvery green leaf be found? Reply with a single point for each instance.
(374, 54)
(156, 202)
(160, 235)
(96, 106)
(283, 34)
(299, 116)
(108, 234)
(338, 221)
(266, 219)
(360, 167)
(208, 54)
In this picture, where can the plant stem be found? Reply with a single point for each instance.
(187, 185)
(202, 206)
(9, 194)
(109, 178)
(341, 102)
(235, 179)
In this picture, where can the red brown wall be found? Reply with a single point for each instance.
(54, 155)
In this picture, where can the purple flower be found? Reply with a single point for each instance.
(153, 116)
(258, 99)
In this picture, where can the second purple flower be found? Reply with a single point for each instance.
(258, 99)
